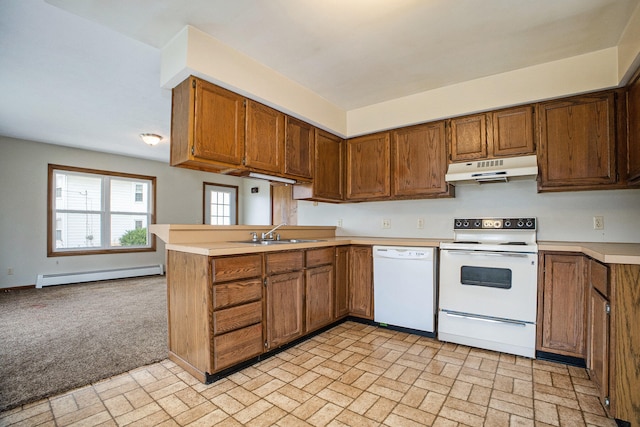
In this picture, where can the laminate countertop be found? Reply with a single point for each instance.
(608, 253)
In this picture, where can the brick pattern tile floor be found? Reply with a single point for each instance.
(351, 375)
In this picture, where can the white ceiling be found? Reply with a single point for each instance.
(86, 73)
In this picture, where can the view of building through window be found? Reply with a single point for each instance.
(220, 204)
(97, 211)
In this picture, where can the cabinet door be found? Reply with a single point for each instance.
(264, 147)
(284, 308)
(218, 124)
(598, 360)
(512, 132)
(368, 167)
(342, 281)
(468, 138)
(328, 177)
(577, 146)
(299, 148)
(361, 282)
(318, 297)
(563, 316)
(633, 121)
(419, 156)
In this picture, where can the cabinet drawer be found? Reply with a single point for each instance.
(238, 317)
(235, 293)
(599, 277)
(316, 257)
(237, 267)
(237, 346)
(282, 262)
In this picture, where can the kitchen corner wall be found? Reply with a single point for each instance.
(23, 206)
(565, 216)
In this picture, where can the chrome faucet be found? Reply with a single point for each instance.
(269, 234)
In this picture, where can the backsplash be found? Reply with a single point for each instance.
(564, 216)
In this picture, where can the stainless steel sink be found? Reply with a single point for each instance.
(278, 242)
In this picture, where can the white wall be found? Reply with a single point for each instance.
(565, 216)
(23, 206)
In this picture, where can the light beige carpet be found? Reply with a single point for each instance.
(62, 337)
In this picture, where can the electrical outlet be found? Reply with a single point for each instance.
(339, 223)
(10, 271)
(420, 223)
(598, 223)
(386, 223)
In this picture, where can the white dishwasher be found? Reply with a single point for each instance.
(404, 288)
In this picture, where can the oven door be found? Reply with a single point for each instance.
(486, 283)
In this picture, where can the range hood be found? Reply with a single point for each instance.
(493, 170)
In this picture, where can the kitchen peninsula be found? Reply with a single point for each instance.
(233, 302)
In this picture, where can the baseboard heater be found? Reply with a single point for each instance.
(92, 276)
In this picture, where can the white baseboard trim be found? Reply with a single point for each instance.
(91, 276)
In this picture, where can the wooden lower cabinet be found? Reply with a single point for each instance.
(284, 308)
(606, 332)
(341, 268)
(598, 345)
(598, 327)
(189, 297)
(214, 311)
(226, 310)
(562, 304)
(361, 282)
(624, 371)
(319, 288)
(318, 297)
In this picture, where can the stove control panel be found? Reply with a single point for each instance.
(494, 223)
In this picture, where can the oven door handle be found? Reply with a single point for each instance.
(483, 319)
(489, 253)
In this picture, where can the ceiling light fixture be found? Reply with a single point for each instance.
(151, 138)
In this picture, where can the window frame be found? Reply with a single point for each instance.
(204, 199)
(51, 214)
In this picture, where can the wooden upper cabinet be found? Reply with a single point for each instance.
(368, 167)
(264, 146)
(299, 142)
(219, 117)
(511, 132)
(633, 121)
(577, 146)
(329, 166)
(328, 171)
(219, 124)
(207, 125)
(468, 138)
(419, 159)
(500, 133)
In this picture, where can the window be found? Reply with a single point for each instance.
(139, 188)
(93, 211)
(220, 204)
